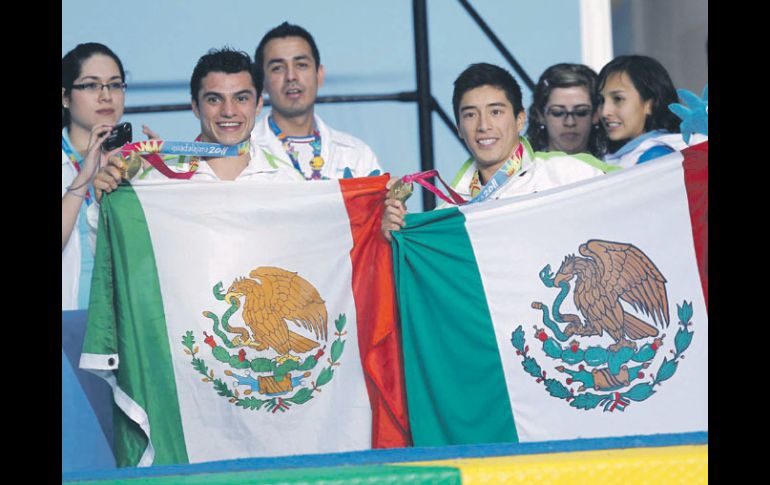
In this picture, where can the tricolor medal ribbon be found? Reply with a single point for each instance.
(503, 174)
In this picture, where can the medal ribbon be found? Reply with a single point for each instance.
(421, 179)
(150, 150)
(317, 161)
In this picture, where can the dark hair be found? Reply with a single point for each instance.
(483, 74)
(563, 75)
(227, 60)
(72, 63)
(285, 30)
(652, 82)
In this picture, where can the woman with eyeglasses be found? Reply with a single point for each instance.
(93, 95)
(563, 114)
(634, 94)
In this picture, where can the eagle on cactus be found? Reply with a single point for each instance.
(611, 272)
(271, 299)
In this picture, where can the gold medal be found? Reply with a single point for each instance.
(131, 165)
(400, 190)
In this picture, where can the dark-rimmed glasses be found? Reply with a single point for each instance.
(97, 87)
(558, 113)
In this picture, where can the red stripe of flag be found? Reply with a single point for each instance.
(379, 338)
(696, 179)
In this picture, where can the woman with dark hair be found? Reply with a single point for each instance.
(634, 94)
(563, 114)
(93, 92)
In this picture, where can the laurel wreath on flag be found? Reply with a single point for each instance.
(612, 400)
(261, 364)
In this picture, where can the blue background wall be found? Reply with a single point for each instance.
(367, 47)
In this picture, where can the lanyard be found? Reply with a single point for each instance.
(150, 150)
(511, 166)
(74, 159)
(316, 163)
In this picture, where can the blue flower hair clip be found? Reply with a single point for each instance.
(695, 116)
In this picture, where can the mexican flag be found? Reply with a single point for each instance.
(576, 312)
(243, 319)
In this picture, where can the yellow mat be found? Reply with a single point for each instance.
(663, 465)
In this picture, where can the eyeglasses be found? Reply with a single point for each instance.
(559, 113)
(94, 88)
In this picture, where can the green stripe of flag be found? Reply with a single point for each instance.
(436, 270)
(145, 372)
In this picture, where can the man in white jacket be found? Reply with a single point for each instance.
(292, 137)
(489, 114)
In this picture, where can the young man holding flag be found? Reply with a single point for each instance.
(521, 319)
(165, 251)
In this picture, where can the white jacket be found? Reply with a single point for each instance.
(539, 171)
(628, 155)
(338, 149)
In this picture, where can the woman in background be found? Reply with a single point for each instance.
(93, 96)
(634, 94)
(564, 113)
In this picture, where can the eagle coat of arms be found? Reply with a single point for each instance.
(607, 275)
(266, 357)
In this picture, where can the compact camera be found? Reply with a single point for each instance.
(119, 136)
